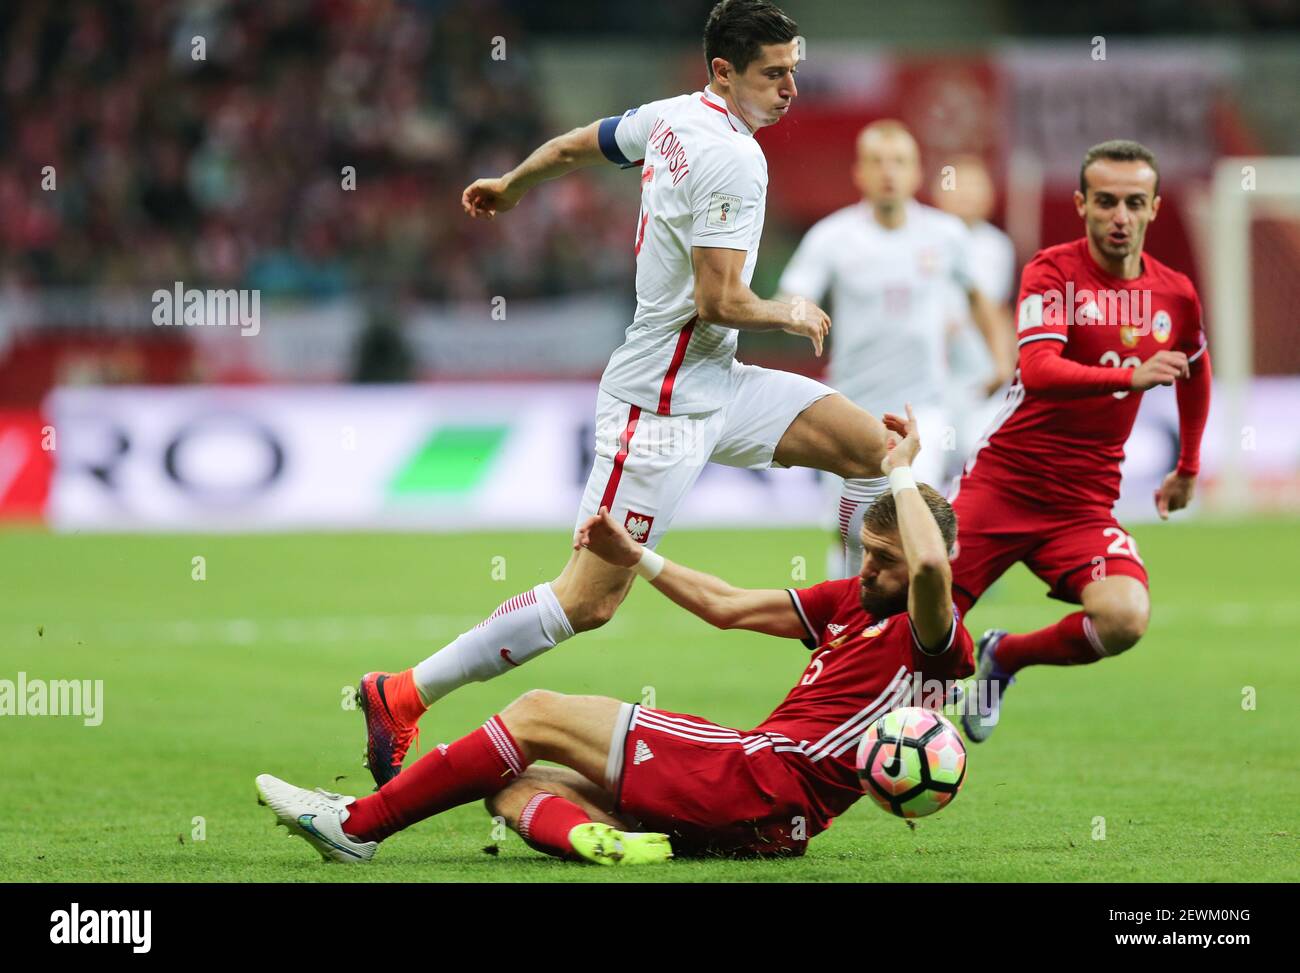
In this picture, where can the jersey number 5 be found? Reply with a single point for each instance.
(814, 669)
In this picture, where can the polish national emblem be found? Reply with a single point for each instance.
(638, 525)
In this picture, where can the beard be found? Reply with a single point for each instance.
(880, 605)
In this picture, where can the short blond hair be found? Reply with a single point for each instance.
(882, 516)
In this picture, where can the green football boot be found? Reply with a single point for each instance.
(604, 845)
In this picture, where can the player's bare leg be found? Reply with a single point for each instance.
(1119, 608)
(574, 731)
(590, 590)
(837, 436)
(584, 596)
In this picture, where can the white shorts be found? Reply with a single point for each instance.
(647, 463)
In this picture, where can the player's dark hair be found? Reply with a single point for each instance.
(1117, 150)
(736, 29)
(882, 516)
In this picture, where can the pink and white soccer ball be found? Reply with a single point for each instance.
(911, 761)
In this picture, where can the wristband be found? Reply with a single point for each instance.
(900, 478)
(650, 564)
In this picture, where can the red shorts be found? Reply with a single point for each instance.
(711, 789)
(1067, 548)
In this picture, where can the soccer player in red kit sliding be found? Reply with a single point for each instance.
(638, 784)
(1100, 322)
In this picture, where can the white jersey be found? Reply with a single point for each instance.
(993, 266)
(704, 184)
(889, 300)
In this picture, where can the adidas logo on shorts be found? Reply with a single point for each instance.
(642, 753)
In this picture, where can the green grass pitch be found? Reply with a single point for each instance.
(208, 683)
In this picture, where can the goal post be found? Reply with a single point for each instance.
(1244, 189)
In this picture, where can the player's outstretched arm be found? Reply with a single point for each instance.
(561, 155)
(723, 297)
(994, 323)
(712, 599)
(929, 596)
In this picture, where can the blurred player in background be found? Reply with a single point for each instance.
(886, 262)
(967, 193)
(673, 396)
(1099, 323)
(709, 788)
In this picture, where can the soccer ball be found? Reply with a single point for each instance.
(930, 771)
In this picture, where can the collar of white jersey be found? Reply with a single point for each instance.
(717, 103)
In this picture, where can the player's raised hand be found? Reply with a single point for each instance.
(608, 540)
(903, 442)
(1175, 493)
(488, 197)
(808, 321)
(1162, 368)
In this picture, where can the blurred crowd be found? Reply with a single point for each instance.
(148, 141)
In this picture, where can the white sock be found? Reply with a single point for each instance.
(521, 628)
(856, 497)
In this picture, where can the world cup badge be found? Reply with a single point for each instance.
(1162, 326)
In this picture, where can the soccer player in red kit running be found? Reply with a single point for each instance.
(638, 784)
(1100, 322)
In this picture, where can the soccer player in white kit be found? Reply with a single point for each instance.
(887, 263)
(967, 193)
(673, 396)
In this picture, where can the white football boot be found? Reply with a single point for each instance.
(317, 816)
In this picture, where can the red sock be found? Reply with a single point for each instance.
(1070, 642)
(403, 698)
(546, 821)
(475, 766)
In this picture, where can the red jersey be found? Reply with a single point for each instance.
(1056, 450)
(860, 670)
